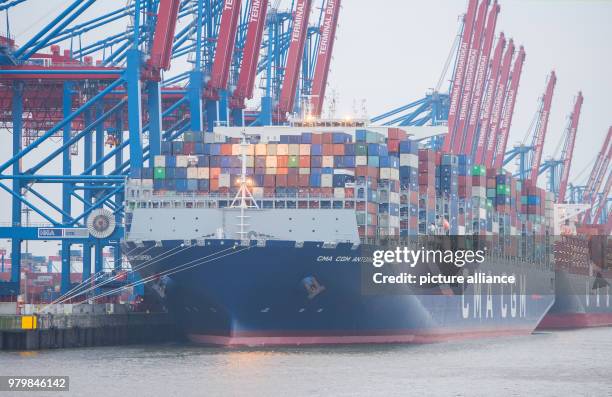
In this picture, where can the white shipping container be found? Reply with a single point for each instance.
(385, 173)
(260, 149)
(327, 161)
(282, 149)
(482, 213)
(304, 171)
(250, 160)
(361, 160)
(339, 192)
(257, 191)
(181, 161)
(327, 180)
(224, 180)
(159, 161)
(147, 182)
(409, 160)
(479, 191)
(394, 197)
(304, 150)
(294, 149)
(192, 173)
(203, 173)
(270, 170)
(271, 161)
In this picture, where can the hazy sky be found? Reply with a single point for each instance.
(390, 52)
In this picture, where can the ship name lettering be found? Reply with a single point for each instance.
(473, 307)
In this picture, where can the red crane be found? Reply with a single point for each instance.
(568, 148)
(161, 48)
(294, 56)
(326, 45)
(542, 126)
(462, 58)
(498, 104)
(504, 129)
(488, 100)
(597, 174)
(604, 196)
(250, 57)
(225, 48)
(481, 76)
(470, 72)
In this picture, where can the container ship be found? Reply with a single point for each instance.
(582, 282)
(270, 241)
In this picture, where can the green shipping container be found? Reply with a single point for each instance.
(293, 162)
(361, 149)
(479, 170)
(159, 173)
(503, 189)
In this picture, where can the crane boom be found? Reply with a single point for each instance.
(481, 76)
(568, 149)
(470, 72)
(294, 56)
(225, 48)
(324, 54)
(462, 58)
(506, 122)
(604, 197)
(250, 57)
(488, 99)
(161, 48)
(498, 104)
(597, 174)
(540, 133)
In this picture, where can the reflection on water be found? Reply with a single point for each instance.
(544, 364)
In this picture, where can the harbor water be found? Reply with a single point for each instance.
(576, 363)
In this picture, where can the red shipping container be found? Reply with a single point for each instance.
(327, 149)
(303, 180)
(188, 147)
(269, 181)
(328, 137)
(364, 170)
(214, 172)
(349, 192)
(282, 161)
(214, 185)
(226, 149)
(304, 161)
(396, 133)
(393, 146)
(282, 171)
(317, 139)
(292, 180)
(281, 180)
(338, 149)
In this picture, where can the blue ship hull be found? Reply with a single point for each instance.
(280, 293)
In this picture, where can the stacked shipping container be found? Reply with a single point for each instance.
(395, 187)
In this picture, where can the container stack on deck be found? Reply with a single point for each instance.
(396, 187)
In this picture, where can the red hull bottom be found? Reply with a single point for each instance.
(576, 320)
(416, 338)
